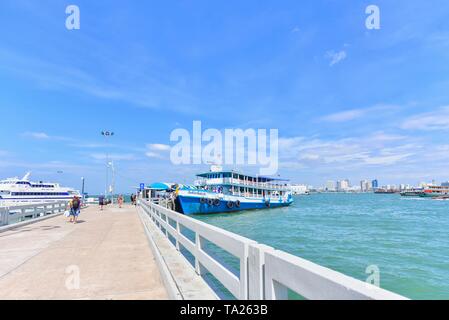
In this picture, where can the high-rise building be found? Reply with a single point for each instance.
(343, 185)
(375, 184)
(330, 185)
(365, 186)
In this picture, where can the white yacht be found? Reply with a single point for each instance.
(15, 190)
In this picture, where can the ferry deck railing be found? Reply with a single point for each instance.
(264, 273)
(244, 183)
(19, 213)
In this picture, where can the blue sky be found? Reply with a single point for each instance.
(348, 102)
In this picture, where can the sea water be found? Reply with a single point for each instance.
(406, 238)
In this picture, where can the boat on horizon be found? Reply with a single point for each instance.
(415, 192)
(16, 191)
(385, 191)
(435, 191)
(221, 191)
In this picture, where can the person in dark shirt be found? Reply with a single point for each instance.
(101, 202)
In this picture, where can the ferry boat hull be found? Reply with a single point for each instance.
(204, 204)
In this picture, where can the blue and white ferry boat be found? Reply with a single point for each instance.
(221, 191)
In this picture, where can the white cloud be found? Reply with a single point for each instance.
(387, 160)
(44, 136)
(157, 150)
(345, 115)
(378, 149)
(36, 135)
(353, 114)
(336, 57)
(436, 120)
(381, 136)
(151, 154)
(145, 86)
(91, 145)
(114, 156)
(158, 147)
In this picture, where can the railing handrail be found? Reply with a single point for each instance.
(19, 211)
(32, 205)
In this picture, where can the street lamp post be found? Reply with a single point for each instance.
(82, 189)
(107, 134)
(112, 189)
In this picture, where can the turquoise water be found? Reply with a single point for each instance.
(407, 238)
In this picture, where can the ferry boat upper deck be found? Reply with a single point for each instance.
(238, 184)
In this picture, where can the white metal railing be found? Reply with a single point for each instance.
(265, 273)
(14, 214)
(232, 243)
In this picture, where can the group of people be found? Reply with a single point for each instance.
(74, 209)
(74, 206)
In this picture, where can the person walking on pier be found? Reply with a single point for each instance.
(75, 205)
(120, 201)
(101, 202)
(133, 199)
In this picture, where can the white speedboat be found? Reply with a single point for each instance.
(16, 191)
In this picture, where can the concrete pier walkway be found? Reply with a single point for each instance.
(105, 256)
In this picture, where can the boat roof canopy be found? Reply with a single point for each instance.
(207, 174)
(159, 186)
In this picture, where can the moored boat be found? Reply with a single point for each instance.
(15, 190)
(412, 192)
(221, 191)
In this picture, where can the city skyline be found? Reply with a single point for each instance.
(367, 185)
(347, 101)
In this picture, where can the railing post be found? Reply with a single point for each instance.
(166, 226)
(178, 232)
(256, 271)
(198, 268)
(4, 214)
(273, 289)
(278, 291)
